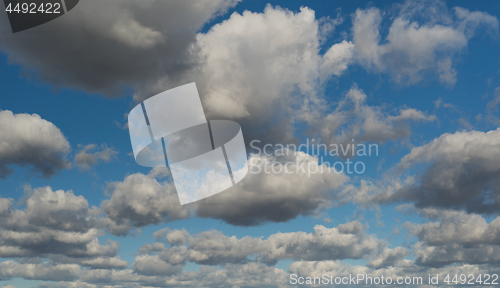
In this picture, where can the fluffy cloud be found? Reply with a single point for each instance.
(346, 241)
(119, 43)
(88, 155)
(424, 36)
(387, 257)
(276, 197)
(57, 225)
(61, 272)
(153, 265)
(29, 140)
(141, 199)
(463, 172)
(456, 171)
(455, 237)
(252, 274)
(263, 69)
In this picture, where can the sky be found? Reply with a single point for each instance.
(419, 80)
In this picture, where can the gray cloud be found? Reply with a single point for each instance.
(248, 68)
(455, 237)
(29, 140)
(354, 119)
(460, 172)
(141, 199)
(252, 274)
(119, 43)
(256, 199)
(60, 272)
(387, 257)
(88, 155)
(57, 225)
(346, 241)
(463, 173)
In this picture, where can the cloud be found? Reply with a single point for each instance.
(387, 257)
(153, 265)
(455, 237)
(257, 198)
(462, 172)
(354, 119)
(252, 274)
(458, 171)
(56, 225)
(424, 36)
(89, 154)
(142, 200)
(61, 272)
(263, 69)
(454, 253)
(29, 140)
(336, 59)
(346, 241)
(451, 227)
(119, 43)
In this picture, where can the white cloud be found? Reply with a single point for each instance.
(262, 69)
(414, 47)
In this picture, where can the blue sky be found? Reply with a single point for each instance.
(435, 77)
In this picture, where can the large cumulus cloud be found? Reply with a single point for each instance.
(141, 199)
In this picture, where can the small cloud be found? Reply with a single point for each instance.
(90, 154)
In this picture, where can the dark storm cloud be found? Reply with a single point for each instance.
(105, 46)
